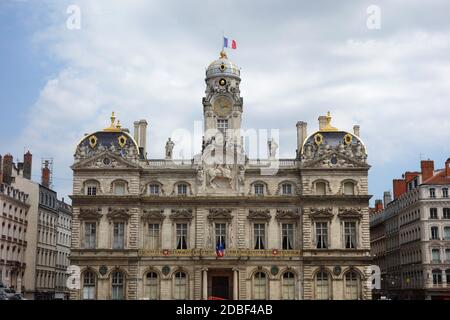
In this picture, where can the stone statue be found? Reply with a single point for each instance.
(169, 149)
(272, 146)
(200, 175)
(341, 147)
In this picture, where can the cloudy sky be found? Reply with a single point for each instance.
(298, 59)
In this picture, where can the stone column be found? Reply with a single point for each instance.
(235, 284)
(205, 284)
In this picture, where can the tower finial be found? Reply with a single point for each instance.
(112, 127)
(223, 54)
(328, 126)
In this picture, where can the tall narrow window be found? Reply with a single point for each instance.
(152, 285)
(352, 285)
(181, 234)
(447, 256)
(117, 286)
(88, 285)
(180, 286)
(119, 235)
(320, 188)
(90, 231)
(447, 276)
(221, 232)
(349, 188)
(119, 188)
(445, 192)
(322, 286)
(287, 188)
(446, 213)
(447, 233)
(432, 193)
(350, 235)
(321, 235)
(259, 230)
(288, 286)
(434, 233)
(259, 286)
(433, 213)
(437, 276)
(287, 234)
(153, 236)
(435, 256)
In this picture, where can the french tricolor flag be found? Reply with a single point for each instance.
(228, 43)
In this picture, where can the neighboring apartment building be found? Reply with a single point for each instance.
(414, 254)
(63, 238)
(221, 224)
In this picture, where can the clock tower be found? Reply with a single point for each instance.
(222, 104)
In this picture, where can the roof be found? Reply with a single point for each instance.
(438, 178)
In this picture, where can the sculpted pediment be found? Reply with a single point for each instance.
(321, 213)
(287, 214)
(220, 214)
(153, 214)
(118, 214)
(105, 160)
(333, 160)
(259, 214)
(90, 214)
(350, 213)
(181, 214)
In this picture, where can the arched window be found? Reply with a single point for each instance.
(182, 189)
(89, 285)
(349, 188)
(119, 188)
(259, 189)
(91, 188)
(151, 285)
(321, 188)
(117, 285)
(286, 189)
(322, 285)
(259, 286)
(180, 286)
(352, 285)
(288, 286)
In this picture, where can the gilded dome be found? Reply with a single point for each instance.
(222, 66)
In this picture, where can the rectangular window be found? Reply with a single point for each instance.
(433, 213)
(435, 256)
(181, 234)
(321, 235)
(287, 188)
(221, 232)
(432, 193)
(153, 189)
(446, 213)
(447, 255)
(259, 189)
(445, 192)
(446, 233)
(259, 230)
(350, 235)
(434, 233)
(119, 188)
(90, 229)
(222, 125)
(153, 236)
(118, 235)
(182, 189)
(92, 190)
(287, 234)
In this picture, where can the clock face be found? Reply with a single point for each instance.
(222, 106)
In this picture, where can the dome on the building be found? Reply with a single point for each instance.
(113, 139)
(222, 66)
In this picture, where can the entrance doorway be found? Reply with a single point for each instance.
(220, 287)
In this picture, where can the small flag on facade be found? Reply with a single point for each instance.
(219, 250)
(228, 43)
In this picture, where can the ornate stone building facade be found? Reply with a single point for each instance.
(221, 224)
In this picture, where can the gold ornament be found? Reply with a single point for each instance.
(318, 139)
(93, 141)
(348, 138)
(122, 141)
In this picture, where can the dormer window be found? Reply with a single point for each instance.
(182, 189)
(153, 189)
(91, 188)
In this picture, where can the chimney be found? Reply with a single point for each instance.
(378, 205)
(136, 131)
(1, 170)
(301, 135)
(356, 130)
(399, 186)
(7, 168)
(447, 168)
(45, 181)
(143, 137)
(27, 164)
(322, 122)
(427, 168)
(387, 197)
